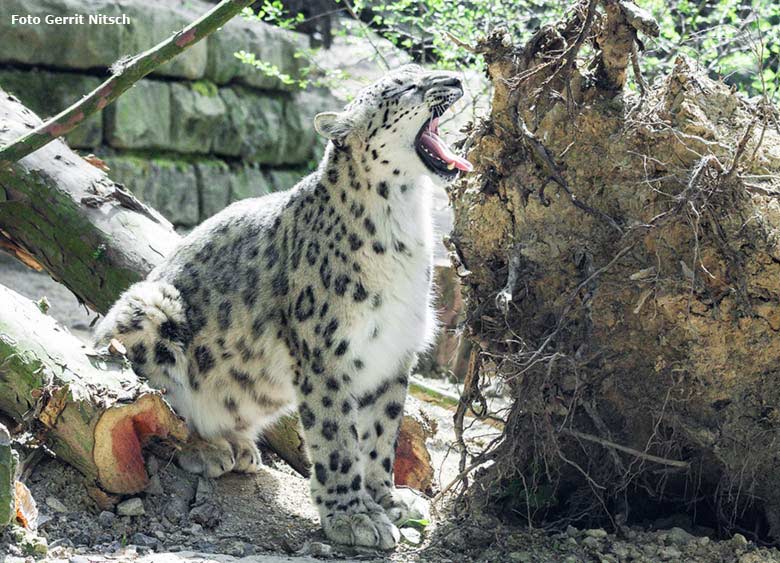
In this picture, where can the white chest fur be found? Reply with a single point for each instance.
(399, 320)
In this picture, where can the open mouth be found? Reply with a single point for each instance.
(436, 154)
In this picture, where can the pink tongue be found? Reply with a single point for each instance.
(433, 143)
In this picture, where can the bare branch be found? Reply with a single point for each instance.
(125, 74)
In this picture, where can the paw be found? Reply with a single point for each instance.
(404, 504)
(367, 528)
(248, 459)
(209, 458)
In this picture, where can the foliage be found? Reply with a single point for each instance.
(736, 39)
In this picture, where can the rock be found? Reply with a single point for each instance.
(285, 179)
(571, 531)
(144, 540)
(196, 112)
(56, 505)
(592, 542)
(155, 486)
(236, 549)
(522, 556)
(270, 44)
(214, 180)
(208, 515)
(28, 541)
(255, 128)
(48, 93)
(597, 533)
(170, 186)
(141, 117)
(204, 490)
(319, 549)
(411, 535)
(738, 540)
(131, 507)
(152, 465)
(249, 181)
(678, 536)
(669, 553)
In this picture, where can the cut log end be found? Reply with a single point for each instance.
(120, 435)
(413, 467)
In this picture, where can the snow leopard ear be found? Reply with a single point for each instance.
(332, 125)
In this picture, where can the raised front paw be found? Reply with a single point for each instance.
(404, 504)
(363, 526)
(210, 458)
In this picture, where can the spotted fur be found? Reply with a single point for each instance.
(316, 298)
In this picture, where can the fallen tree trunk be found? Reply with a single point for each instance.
(622, 263)
(92, 410)
(60, 213)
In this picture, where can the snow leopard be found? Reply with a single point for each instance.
(316, 298)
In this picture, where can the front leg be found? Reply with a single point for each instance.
(328, 414)
(379, 416)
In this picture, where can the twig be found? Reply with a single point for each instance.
(125, 74)
(740, 149)
(555, 175)
(570, 55)
(626, 449)
(640, 80)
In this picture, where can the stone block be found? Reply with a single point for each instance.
(269, 44)
(215, 178)
(95, 46)
(196, 112)
(255, 129)
(282, 180)
(141, 117)
(170, 186)
(249, 181)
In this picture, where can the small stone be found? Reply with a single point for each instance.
(208, 515)
(143, 540)
(738, 540)
(159, 534)
(319, 549)
(670, 553)
(131, 507)
(204, 491)
(597, 533)
(411, 535)
(236, 549)
(678, 536)
(522, 556)
(571, 531)
(106, 519)
(590, 542)
(152, 465)
(196, 529)
(55, 504)
(703, 541)
(155, 486)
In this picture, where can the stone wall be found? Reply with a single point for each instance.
(201, 131)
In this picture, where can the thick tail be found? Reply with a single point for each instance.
(149, 320)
